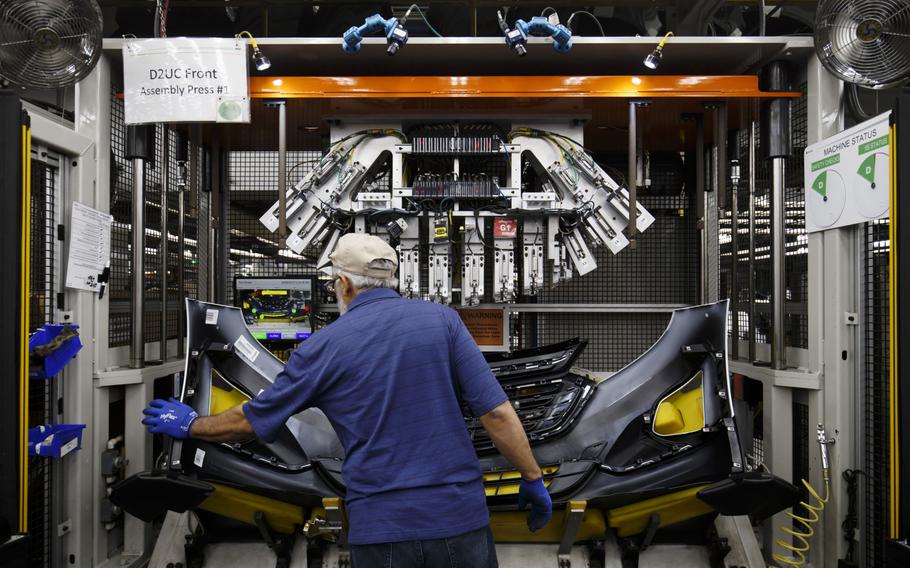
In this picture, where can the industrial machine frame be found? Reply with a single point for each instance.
(819, 375)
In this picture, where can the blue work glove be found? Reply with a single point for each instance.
(534, 493)
(169, 417)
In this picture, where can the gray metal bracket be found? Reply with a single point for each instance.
(332, 525)
(575, 512)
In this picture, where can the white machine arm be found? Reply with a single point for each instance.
(585, 188)
(331, 187)
(575, 209)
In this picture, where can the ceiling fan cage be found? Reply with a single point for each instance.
(49, 43)
(866, 42)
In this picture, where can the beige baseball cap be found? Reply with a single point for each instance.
(355, 251)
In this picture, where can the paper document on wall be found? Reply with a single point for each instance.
(89, 247)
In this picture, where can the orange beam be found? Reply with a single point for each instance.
(656, 86)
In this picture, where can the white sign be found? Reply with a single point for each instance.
(185, 80)
(848, 176)
(90, 247)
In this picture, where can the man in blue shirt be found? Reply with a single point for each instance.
(391, 375)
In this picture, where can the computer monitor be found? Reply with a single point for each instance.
(276, 309)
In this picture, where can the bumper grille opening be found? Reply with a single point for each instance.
(502, 483)
(545, 407)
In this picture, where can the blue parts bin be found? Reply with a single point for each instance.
(54, 440)
(50, 348)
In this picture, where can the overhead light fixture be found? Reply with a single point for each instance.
(259, 60)
(652, 61)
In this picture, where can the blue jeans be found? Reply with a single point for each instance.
(474, 549)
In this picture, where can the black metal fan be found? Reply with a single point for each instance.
(865, 42)
(49, 43)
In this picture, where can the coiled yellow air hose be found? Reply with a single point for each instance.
(800, 543)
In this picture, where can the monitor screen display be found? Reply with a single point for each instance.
(276, 308)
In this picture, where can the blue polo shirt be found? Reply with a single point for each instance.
(385, 374)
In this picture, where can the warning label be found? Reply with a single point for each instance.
(486, 326)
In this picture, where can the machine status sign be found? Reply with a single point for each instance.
(848, 176)
(185, 80)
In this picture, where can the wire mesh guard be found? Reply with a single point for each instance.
(42, 294)
(194, 264)
(253, 250)
(876, 398)
(796, 310)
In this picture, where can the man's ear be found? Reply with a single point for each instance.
(345, 286)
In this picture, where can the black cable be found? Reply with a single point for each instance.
(856, 106)
(422, 16)
(851, 519)
(762, 18)
(298, 164)
(592, 16)
(545, 133)
(156, 19)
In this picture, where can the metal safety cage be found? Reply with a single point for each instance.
(875, 410)
(796, 263)
(745, 262)
(884, 278)
(43, 300)
(186, 182)
(624, 306)
(253, 250)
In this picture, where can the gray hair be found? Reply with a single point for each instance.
(360, 282)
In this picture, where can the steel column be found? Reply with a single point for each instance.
(85, 544)
(282, 171)
(137, 267)
(140, 148)
(700, 206)
(163, 246)
(632, 176)
(734, 243)
(186, 164)
(753, 162)
(777, 146)
(778, 264)
(212, 264)
(826, 118)
(720, 141)
(219, 188)
(181, 283)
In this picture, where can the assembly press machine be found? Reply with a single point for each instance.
(564, 202)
